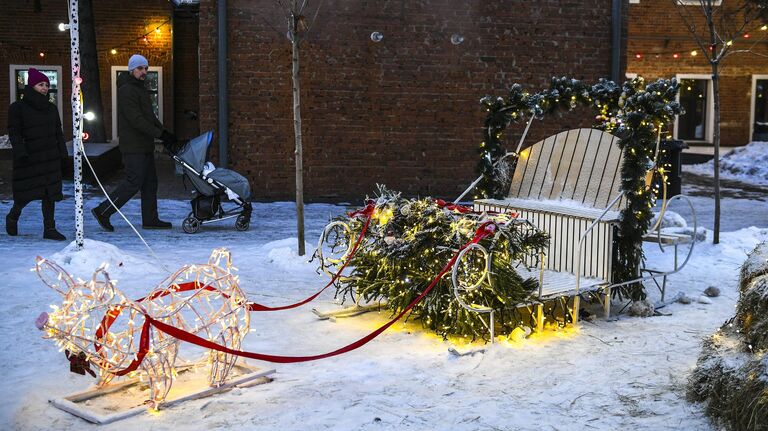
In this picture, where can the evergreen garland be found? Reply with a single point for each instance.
(410, 240)
(633, 112)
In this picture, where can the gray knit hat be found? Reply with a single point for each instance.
(137, 60)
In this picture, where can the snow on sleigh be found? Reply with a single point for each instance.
(590, 191)
(211, 186)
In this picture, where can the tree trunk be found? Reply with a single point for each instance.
(89, 72)
(716, 142)
(297, 130)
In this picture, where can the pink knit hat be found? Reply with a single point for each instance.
(35, 77)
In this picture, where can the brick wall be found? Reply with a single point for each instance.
(657, 32)
(404, 111)
(25, 32)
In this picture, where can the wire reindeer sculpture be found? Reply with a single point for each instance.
(97, 325)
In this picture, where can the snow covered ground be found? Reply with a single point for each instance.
(626, 373)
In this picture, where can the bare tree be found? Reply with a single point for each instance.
(715, 26)
(297, 30)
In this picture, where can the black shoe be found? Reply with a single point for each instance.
(157, 224)
(52, 233)
(11, 225)
(103, 221)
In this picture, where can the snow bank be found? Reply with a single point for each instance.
(748, 164)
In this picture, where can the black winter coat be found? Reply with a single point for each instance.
(137, 125)
(34, 129)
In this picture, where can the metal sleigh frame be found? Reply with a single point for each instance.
(597, 285)
(605, 288)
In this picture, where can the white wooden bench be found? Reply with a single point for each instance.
(568, 185)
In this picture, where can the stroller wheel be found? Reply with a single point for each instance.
(243, 222)
(191, 224)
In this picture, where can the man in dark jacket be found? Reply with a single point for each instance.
(137, 127)
(39, 154)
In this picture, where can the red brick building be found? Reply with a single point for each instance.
(660, 45)
(29, 37)
(403, 111)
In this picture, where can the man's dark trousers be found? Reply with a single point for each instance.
(140, 175)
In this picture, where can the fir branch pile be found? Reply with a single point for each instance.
(634, 112)
(731, 375)
(407, 244)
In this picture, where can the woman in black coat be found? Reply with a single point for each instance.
(39, 153)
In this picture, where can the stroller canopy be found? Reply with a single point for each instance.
(194, 154)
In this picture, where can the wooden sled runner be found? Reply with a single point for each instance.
(125, 399)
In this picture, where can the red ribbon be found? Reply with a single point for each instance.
(143, 350)
(463, 209)
(367, 212)
(486, 229)
(111, 315)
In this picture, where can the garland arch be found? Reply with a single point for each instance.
(635, 112)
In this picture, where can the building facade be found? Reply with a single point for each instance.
(661, 45)
(30, 37)
(389, 90)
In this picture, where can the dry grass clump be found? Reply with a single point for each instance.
(731, 375)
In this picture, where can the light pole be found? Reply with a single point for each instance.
(77, 119)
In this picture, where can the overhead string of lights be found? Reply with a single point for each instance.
(681, 53)
(65, 51)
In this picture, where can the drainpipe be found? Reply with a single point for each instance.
(616, 41)
(222, 72)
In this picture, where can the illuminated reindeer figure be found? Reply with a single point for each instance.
(96, 324)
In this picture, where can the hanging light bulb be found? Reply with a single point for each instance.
(376, 36)
(90, 116)
(113, 51)
(457, 39)
(63, 27)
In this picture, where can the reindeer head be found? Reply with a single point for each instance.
(74, 323)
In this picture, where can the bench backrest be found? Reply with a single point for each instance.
(583, 165)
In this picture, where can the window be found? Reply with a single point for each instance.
(698, 2)
(759, 128)
(154, 84)
(18, 74)
(696, 98)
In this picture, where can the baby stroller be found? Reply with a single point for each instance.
(211, 185)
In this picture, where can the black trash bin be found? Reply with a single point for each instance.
(670, 158)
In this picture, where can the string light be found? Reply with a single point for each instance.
(63, 27)
(113, 51)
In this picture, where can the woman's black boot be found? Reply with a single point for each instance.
(11, 225)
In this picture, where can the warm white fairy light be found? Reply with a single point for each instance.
(77, 325)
